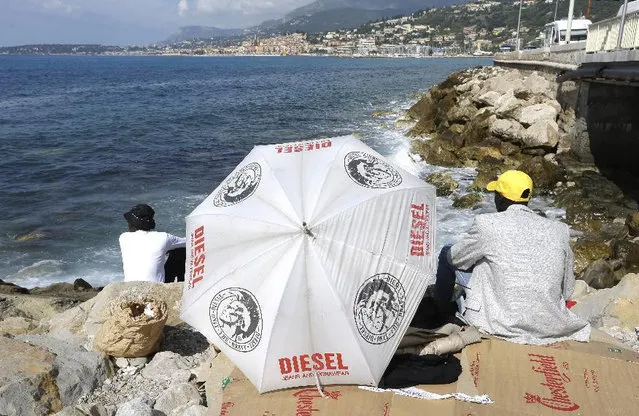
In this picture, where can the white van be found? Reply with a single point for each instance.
(555, 32)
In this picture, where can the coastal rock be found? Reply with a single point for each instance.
(529, 115)
(632, 221)
(11, 288)
(434, 153)
(78, 371)
(508, 104)
(538, 85)
(587, 251)
(599, 274)
(444, 183)
(544, 174)
(27, 379)
(507, 129)
(468, 200)
(628, 253)
(541, 133)
(191, 410)
(167, 365)
(176, 396)
(489, 98)
(17, 325)
(616, 306)
(135, 407)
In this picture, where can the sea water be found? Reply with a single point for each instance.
(85, 138)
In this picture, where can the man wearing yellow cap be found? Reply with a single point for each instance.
(522, 270)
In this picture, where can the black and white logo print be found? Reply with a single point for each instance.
(239, 186)
(379, 308)
(236, 318)
(371, 172)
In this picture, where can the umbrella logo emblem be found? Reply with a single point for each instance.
(239, 186)
(236, 318)
(379, 308)
(371, 172)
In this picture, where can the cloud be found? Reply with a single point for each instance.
(183, 7)
(57, 5)
(246, 6)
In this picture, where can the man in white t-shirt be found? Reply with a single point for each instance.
(144, 251)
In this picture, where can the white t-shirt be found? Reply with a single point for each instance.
(143, 254)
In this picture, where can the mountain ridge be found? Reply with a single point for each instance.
(319, 16)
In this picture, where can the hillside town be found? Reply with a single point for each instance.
(480, 27)
(398, 37)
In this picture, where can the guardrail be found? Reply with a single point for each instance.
(603, 36)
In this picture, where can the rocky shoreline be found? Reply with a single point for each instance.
(491, 119)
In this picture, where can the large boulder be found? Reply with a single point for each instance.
(542, 133)
(78, 371)
(27, 379)
(507, 129)
(529, 115)
(615, 306)
(587, 251)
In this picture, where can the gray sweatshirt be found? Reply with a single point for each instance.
(521, 279)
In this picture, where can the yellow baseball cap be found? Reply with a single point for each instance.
(514, 185)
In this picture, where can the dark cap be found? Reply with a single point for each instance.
(141, 217)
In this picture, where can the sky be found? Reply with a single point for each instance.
(127, 22)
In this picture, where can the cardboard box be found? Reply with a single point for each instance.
(567, 378)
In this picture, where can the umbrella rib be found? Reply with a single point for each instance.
(373, 196)
(194, 301)
(265, 161)
(321, 188)
(346, 313)
(241, 217)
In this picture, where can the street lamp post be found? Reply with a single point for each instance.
(571, 9)
(518, 24)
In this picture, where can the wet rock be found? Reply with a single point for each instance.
(444, 183)
(433, 152)
(632, 221)
(599, 274)
(628, 253)
(467, 201)
(508, 149)
(544, 174)
(587, 251)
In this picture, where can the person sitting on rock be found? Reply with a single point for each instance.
(144, 251)
(519, 270)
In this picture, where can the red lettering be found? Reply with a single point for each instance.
(418, 224)
(417, 251)
(285, 365)
(199, 232)
(199, 260)
(305, 364)
(196, 280)
(418, 236)
(296, 365)
(199, 248)
(328, 357)
(317, 360)
(340, 365)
